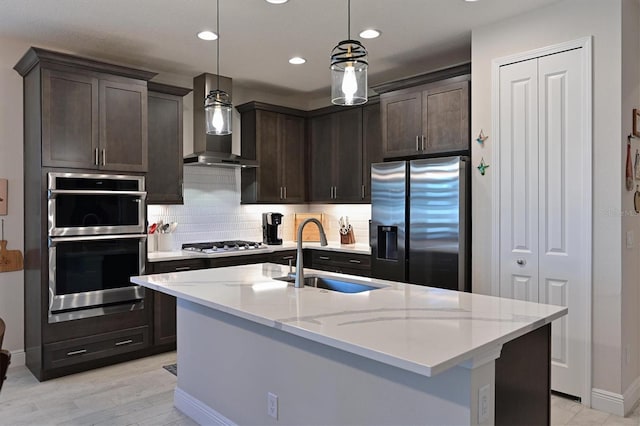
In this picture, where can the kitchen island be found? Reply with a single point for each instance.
(256, 350)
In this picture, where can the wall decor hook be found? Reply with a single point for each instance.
(481, 137)
(482, 167)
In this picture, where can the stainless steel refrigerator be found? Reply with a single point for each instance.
(420, 222)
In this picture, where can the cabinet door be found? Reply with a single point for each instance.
(401, 123)
(268, 174)
(123, 126)
(292, 154)
(321, 175)
(347, 155)
(69, 119)
(446, 118)
(164, 319)
(371, 144)
(164, 178)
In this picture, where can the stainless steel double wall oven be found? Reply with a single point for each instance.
(97, 241)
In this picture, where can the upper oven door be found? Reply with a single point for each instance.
(95, 204)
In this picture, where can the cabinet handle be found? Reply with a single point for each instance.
(287, 257)
(335, 192)
(363, 192)
(124, 342)
(324, 258)
(104, 156)
(182, 268)
(285, 193)
(331, 192)
(423, 148)
(355, 261)
(97, 160)
(417, 143)
(281, 193)
(78, 352)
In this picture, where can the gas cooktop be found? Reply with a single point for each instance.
(221, 246)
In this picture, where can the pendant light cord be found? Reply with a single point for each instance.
(348, 19)
(218, 44)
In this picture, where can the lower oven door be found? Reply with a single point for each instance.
(90, 276)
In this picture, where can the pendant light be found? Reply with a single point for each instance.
(217, 105)
(349, 70)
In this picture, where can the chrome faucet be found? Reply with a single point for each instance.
(323, 242)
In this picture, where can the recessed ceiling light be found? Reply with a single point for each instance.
(207, 35)
(297, 60)
(471, 1)
(370, 33)
(277, 1)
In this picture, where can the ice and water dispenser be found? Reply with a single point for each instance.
(387, 242)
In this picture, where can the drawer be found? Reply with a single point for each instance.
(358, 264)
(75, 351)
(177, 266)
(283, 257)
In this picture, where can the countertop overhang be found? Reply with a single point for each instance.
(421, 329)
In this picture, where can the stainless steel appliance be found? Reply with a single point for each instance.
(95, 204)
(222, 246)
(420, 222)
(96, 243)
(271, 228)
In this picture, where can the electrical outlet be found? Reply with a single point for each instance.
(630, 239)
(272, 405)
(483, 403)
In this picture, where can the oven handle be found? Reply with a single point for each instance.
(55, 240)
(54, 192)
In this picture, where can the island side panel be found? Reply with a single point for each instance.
(229, 364)
(523, 380)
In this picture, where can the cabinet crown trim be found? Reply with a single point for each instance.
(167, 89)
(418, 80)
(36, 55)
(254, 105)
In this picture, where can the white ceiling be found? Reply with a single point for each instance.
(258, 38)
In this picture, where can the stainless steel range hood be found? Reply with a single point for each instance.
(211, 150)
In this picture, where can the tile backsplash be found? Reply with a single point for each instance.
(212, 211)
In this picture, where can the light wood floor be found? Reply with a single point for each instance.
(140, 392)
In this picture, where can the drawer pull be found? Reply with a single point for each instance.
(124, 342)
(78, 352)
(183, 268)
(355, 261)
(324, 258)
(287, 257)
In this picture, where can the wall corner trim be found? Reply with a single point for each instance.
(18, 359)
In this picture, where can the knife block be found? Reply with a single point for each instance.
(348, 238)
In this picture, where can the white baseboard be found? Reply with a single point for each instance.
(631, 395)
(18, 359)
(198, 411)
(615, 403)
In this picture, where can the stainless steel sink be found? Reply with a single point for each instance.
(332, 283)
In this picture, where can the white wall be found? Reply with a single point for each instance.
(630, 294)
(560, 22)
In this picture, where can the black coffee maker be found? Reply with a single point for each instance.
(271, 228)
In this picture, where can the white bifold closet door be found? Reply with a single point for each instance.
(542, 220)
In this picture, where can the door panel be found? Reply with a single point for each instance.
(562, 218)
(401, 123)
(269, 181)
(519, 179)
(347, 156)
(445, 120)
(292, 153)
(321, 151)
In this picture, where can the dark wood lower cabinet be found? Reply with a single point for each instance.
(523, 380)
(344, 263)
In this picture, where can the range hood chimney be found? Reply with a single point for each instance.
(211, 150)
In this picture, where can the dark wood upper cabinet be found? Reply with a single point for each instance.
(93, 114)
(428, 119)
(164, 179)
(69, 119)
(371, 144)
(275, 137)
(343, 144)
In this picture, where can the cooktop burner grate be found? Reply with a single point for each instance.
(231, 245)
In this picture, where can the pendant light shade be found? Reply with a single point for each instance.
(218, 112)
(217, 104)
(349, 70)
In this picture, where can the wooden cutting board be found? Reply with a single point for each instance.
(310, 232)
(10, 260)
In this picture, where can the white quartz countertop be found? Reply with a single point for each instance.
(421, 329)
(163, 256)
